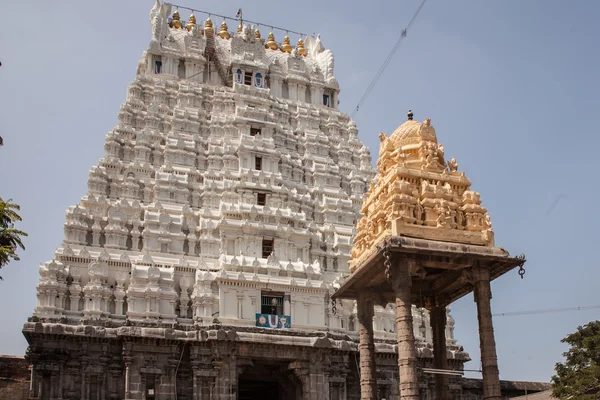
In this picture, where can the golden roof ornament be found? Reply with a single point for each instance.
(286, 46)
(239, 31)
(208, 27)
(191, 23)
(176, 21)
(224, 32)
(257, 35)
(271, 44)
(301, 50)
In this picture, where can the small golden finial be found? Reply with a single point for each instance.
(239, 31)
(301, 50)
(271, 44)
(208, 28)
(224, 32)
(176, 21)
(286, 46)
(191, 23)
(257, 36)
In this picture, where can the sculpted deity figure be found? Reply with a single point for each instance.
(452, 165)
(487, 222)
(460, 218)
(419, 213)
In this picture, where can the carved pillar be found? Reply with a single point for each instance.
(438, 326)
(489, 361)
(128, 361)
(399, 275)
(366, 347)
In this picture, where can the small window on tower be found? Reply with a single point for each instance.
(255, 131)
(267, 247)
(157, 66)
(326, 101)
(248, 78)
(258, 163)
(261, 199)
(271, 303)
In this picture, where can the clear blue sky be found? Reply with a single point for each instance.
(511, 87)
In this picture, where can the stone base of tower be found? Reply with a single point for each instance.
(151, 361)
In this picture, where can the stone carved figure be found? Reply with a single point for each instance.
(460, 219)
(452, 165)
(419, 213)
(487, 223)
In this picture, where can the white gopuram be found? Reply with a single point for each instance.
(228, 194)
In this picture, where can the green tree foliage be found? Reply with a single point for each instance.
(578, 378)
(10, 238)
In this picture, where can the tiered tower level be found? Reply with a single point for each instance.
(228, 195)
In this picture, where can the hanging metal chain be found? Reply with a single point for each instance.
(333, 306)
(521, 259)
(387, 263)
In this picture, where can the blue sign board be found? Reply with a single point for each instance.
(273, 321)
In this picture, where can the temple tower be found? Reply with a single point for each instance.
(219, 221)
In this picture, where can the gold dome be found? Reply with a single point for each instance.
(208, 28)
(413, 132)
(271, 44)
(176, 21)
(224, 32)
(301, 50)
(286, 46)
(191, 23)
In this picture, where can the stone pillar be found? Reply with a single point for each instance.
(489, 361)
(440, 360)
(400, 278)
(366, 347)
(128, 361)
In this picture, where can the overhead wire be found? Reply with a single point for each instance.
(545, 311)
(388, 59)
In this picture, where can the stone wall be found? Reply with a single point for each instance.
(14, 378)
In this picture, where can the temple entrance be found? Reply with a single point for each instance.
(268, 380)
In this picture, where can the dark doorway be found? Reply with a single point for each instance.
(266, 380)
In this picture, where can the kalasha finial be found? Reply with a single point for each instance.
(301, 50)
(257, 36)
(410, 115)
(224, 32)
(271, 43)
(176, 21)
(286, 46)
(191, 23)
(240, 28)
(208, 28)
